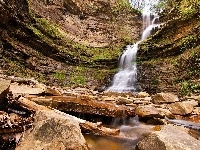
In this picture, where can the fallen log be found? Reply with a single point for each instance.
(86, 126)
(84, 104)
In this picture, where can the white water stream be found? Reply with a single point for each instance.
(126, 78)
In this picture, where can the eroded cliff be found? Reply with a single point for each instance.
(66, 42)
(169, 60)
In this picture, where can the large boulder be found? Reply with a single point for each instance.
(53, 131)
(161, 98)
(147, 112)
(181, 108)
(169, 138)
(4, 88)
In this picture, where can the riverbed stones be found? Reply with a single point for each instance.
(107, 98)
(166, 112)
(123, 101)
(145, 112)
(196, 98)
(192, 102)
(53, 131)
(161, 98)
(144, 101)
(53, 91)
(17, 89)
(181, 108)
(4, 88)
(142, 95)
(169, 137)
(196, 111)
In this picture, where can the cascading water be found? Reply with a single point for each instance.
(126, 78)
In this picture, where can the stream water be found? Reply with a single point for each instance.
(131, 131)
(126, 78)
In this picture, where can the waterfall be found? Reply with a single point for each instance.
(126, 78)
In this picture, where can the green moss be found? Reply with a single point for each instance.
(60, 76)
(78, 80)
(188, 87)
(48, 28)
(17, 69)
(36, 31)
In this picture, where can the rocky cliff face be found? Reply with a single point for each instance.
(170, 59)
(65, 42)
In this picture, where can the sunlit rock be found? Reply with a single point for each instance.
(15, 88)
(166, 112)
(53, 131)
(123, 101)
(196, 111)
(147, 112)
(169, 137)
(107, 98)
(160, 98)
(181, 108)
(192, 102)
(52, 91)
(142, 94)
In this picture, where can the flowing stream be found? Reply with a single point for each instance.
(131, 131)
(126, 78)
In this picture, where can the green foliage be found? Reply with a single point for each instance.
(60, 76)
(123, 5)
(184, 8)
(36, 31)
(127, 39)
(78, 75)
(187, 88)
(189, 41)
(78, 80)
(17, 69)
(188, 7)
